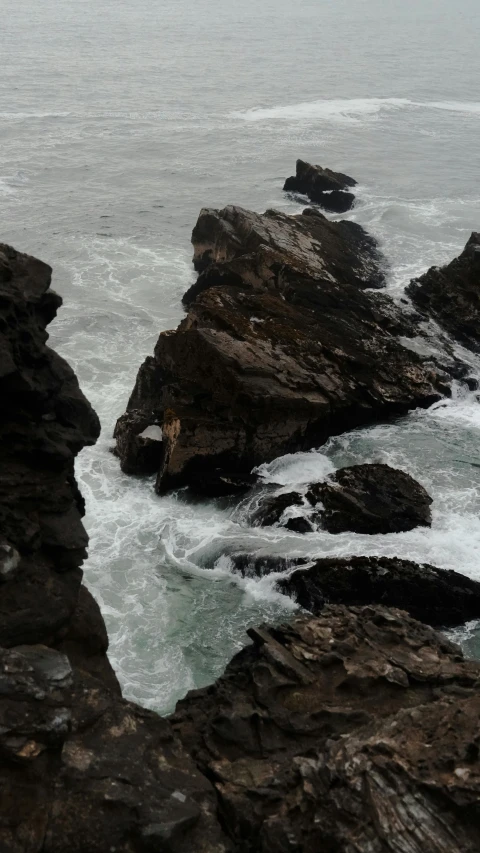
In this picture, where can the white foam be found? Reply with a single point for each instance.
(296, 468)
(340, 110)
(153, 432)
(349, 110)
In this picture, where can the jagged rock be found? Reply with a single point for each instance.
(293, 354)
(451, 295)
(340, 730)
(85, 641)
(439, 597)
(46, 420)
(256, 247)
(327, 188)
(371, 498)
(357, 730)
(82, 769)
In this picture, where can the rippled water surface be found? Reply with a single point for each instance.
(119, 121)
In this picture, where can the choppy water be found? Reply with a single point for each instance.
(118, 121)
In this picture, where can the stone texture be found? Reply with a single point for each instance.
(323, 186)
(451, 295)
(356, 731)
(371, 498)
(439, 597)
(82, 769)
(280, 348)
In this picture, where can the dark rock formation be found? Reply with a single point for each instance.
(327, 188)
(279, 352)
(451, 295)
(354, 731)
(82, 769)
(45, 421)
(371, 499)
(257, 249)
(272, 508)
(438, 597)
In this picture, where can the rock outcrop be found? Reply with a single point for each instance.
(322, 186)
(370, 498)
(82, 769)
(451, 295)
(357, 730)
(439, 597)
(280, 350)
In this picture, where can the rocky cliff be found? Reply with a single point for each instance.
(356, 730)
(451, 295)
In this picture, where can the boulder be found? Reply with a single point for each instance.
(286, 355)
(439, 597)
(322, 186)
(356, 730)
(451, 295)
(371, 498)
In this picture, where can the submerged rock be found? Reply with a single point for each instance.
(356, 730)
(371, 498)
(439, 597)
(279, 352)
(451, 295)
(327, 188)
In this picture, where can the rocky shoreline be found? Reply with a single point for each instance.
(351, 728)
(281, 348)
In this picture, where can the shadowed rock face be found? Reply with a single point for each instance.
(451, 295)
(81, 769)
(280, 349)
(45, 421)
(439, 597)
(327, 188)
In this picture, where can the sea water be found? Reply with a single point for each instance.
(118, 122)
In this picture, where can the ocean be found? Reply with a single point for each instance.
(119, 121)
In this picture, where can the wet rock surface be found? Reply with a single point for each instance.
(451, 295)
(82, 769)
(357, 730)
(322, 186)
(280, 348)
(371, 498)
(349, 730)
(439, 597)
